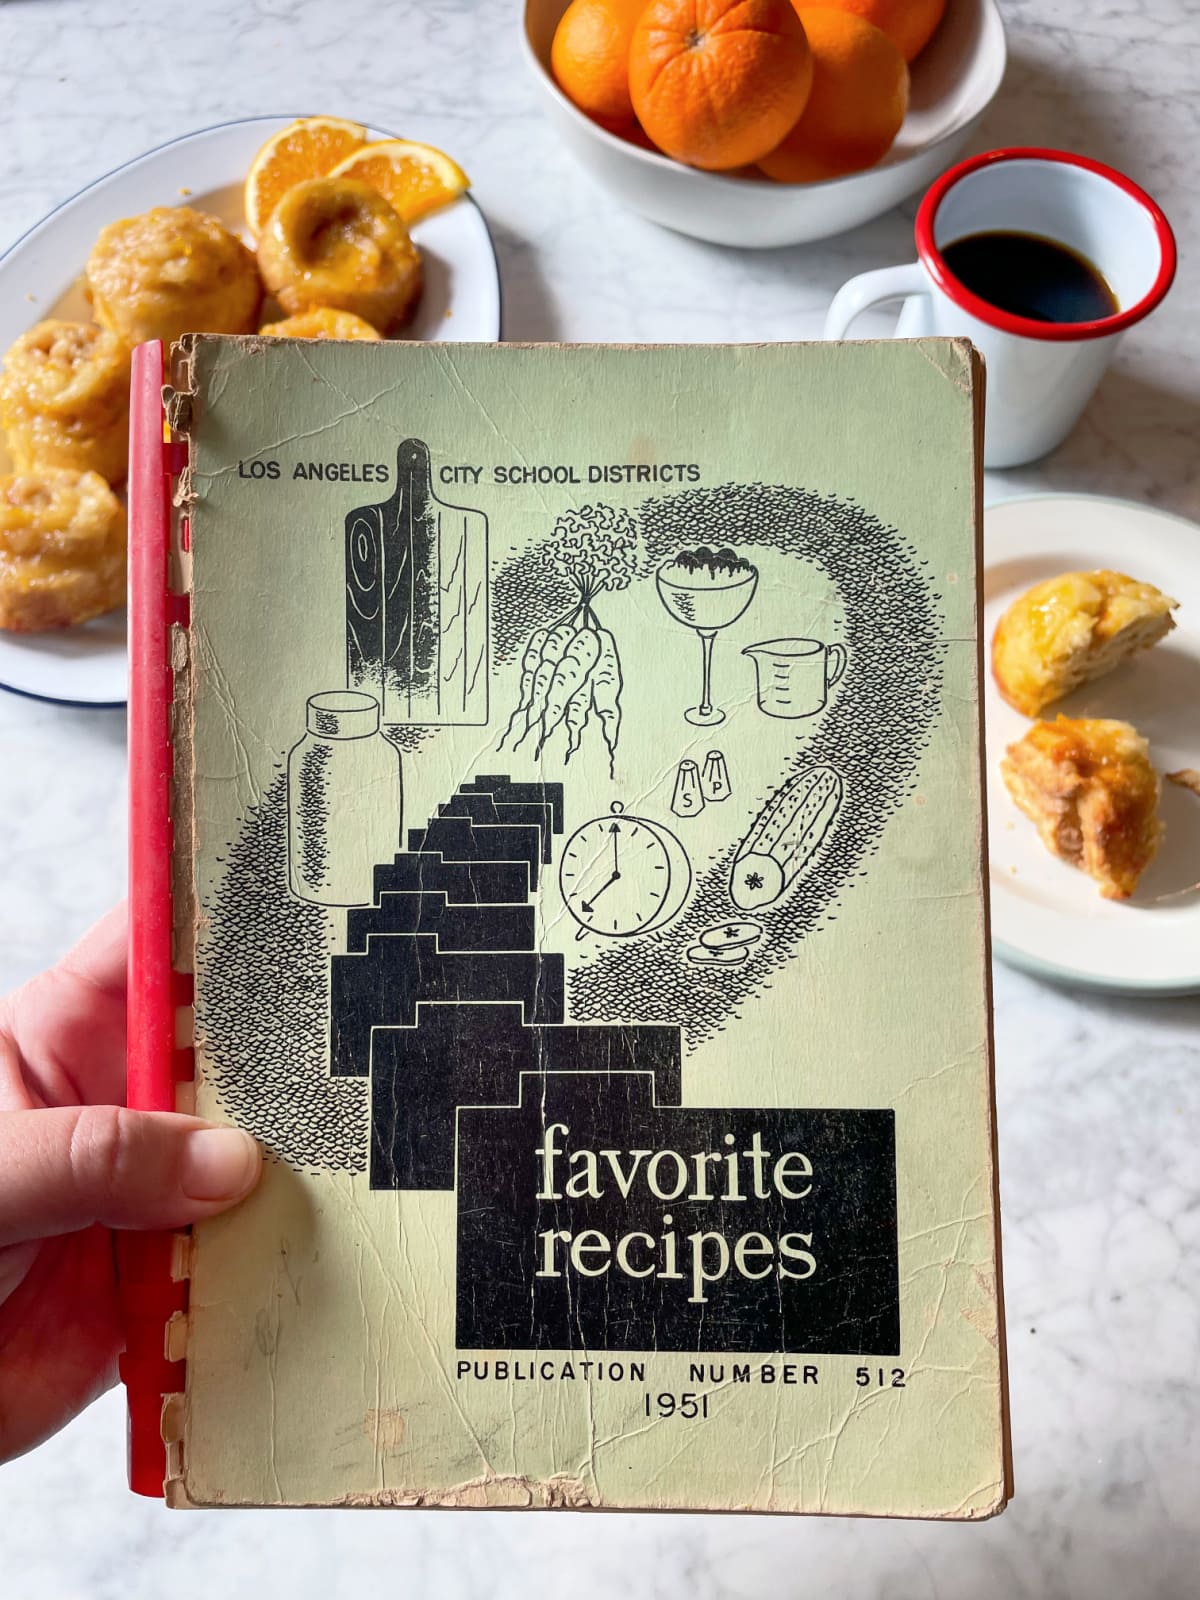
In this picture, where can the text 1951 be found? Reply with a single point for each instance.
(687, 1406)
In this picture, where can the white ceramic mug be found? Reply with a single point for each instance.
(1040, 375)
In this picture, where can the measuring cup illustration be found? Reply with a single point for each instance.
(795, 675)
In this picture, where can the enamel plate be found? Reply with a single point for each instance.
(40, 277)
(1047, 917)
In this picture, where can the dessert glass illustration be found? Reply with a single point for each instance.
(706, 590)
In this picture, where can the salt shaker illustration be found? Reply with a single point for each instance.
(688, 798)
(714, 780)
(345, 800)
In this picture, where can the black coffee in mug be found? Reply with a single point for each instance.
(1030, 276)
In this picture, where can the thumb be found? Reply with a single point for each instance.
(68, 1167)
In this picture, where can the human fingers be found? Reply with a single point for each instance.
(67, 1167)
(99, 957)
(68, 1023)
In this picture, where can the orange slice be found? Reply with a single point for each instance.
(308, 148)
(414, 179)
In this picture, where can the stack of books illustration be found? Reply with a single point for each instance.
(444, 998)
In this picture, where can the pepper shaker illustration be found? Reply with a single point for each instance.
(417, 601)
(345, 800)
(714, 780)
(688, 799)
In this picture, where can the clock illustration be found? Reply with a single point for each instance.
(622, 875)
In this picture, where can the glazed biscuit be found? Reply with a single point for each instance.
(337, 243)
(62, 550)
(1071, 629)
(172, 271)
(1088, 787)
(64, 399)
(322, 323)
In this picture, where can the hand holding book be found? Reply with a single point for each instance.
(75, 1164)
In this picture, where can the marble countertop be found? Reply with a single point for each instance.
(1099, 1098)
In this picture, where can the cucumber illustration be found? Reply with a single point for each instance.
(785, 837)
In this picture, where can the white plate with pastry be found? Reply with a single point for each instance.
(1115, 904)
(41, 278)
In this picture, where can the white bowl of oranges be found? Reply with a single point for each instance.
(764, 122)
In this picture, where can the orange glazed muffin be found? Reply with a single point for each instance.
(172, 271)
(337, 243)
(62, 550)
(322, 323)
(64, 399)
(1068, 630)
(1088, 787)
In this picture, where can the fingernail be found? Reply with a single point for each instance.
(218, 1164)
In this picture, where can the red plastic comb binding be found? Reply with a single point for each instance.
(149, 1294)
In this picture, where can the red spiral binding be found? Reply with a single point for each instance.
(149, 1292)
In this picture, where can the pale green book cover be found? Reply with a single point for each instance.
(580, 848)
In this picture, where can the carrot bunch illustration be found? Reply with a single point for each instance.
(570, 669)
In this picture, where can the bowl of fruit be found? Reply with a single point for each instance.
(764, 122)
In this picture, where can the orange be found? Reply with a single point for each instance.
(307, 148)
(414, 179)
(909, 24)
(632, 134)
(858, 100)
(590, 56)
(717, 83)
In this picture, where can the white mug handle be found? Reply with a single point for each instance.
(872, 289)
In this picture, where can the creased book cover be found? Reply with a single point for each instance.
(579, 834)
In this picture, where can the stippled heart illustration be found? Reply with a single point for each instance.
(822, 815)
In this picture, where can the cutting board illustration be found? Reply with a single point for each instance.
(417, 601)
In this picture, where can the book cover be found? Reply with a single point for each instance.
(578, 849)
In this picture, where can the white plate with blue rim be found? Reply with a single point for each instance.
(40, 276)
(1047, 917)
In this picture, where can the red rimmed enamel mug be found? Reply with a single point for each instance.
(1040, 375)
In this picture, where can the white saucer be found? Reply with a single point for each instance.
(1047, 917)
(40, 277)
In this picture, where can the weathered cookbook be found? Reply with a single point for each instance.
(578, 851)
